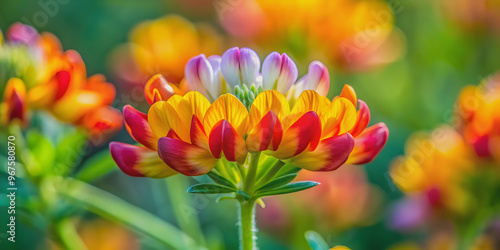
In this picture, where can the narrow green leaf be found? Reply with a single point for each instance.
(111, 207)
(69, 152)
(287, 169)
(220, 180)
(289, 188)
(278, 182)
(316, 242)
(42, 149)
(99, 165)
(210, 189)
(243, 194)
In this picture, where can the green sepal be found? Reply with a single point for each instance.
(288, 188)
(210, 189)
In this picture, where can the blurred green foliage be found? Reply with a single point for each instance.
(415, 93)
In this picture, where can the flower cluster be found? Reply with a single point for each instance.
(52, 80)
(438, 170)
(287, 119)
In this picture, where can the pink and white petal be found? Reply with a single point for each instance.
(239, 65)
(216, 89)
(230, 66)
(249, 65)
(369, 144)
(279, 72)
(271, 68)
(330, 154)
(139, 161)
(199, 74)
(288, 74)
(317, 78)
(186, 158)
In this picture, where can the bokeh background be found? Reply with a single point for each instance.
(423, 55)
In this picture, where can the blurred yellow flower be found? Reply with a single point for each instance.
(433, 165)
(163, 46)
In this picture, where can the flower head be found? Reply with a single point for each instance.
(191, 132)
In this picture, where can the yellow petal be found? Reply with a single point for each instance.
(269, 100)
(309, 100)
(227, 107)
(349, 93)
(162, 117)
(338, 117)
(177, 114)
(198, 103)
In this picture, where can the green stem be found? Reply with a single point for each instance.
(271, 173)
(247, 208)
(251, 173)
(185, 213)
(66, 235)
(247, 225)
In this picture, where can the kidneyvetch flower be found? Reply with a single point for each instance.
(235, 109)
(54, 81)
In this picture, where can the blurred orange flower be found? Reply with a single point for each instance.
(103, 235)
(355, 35)
(480, 117)
(474, 14)
(360, 200)
(61, 86)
